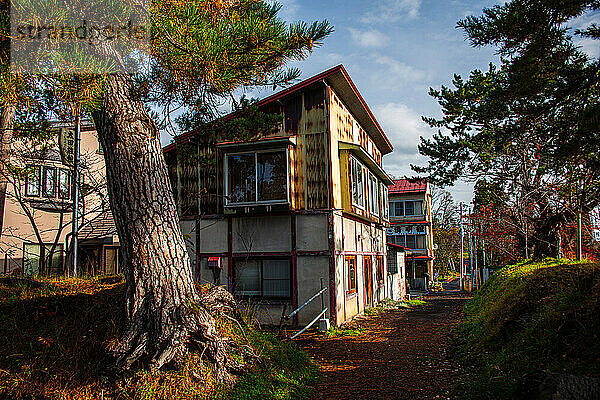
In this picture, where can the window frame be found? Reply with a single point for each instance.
(44, 193)
(261, 279)
(229, 203)
(384, 202)
(37, 174)
(380, 270)
(354, 182)
(351, 284)
(373, 189)
(64, 172)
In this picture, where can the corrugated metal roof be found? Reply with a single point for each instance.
(408, 186)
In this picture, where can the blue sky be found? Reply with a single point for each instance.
(394, 51)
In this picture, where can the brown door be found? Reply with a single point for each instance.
(368, 265)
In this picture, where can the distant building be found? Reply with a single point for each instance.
(410, 227)
(37, 207)
(595, 222)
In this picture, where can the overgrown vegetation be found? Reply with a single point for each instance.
(530, 318)
(56, 333)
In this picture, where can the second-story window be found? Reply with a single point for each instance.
(356, 176)
(49, 182)
(32, 185)
(64, 184)
(257, 177)
(373, 195)
(384, 202)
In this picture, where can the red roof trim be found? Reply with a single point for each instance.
(411, 223)
(301, 85)
(364, 103)
(398, 246)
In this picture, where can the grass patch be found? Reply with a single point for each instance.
(57, 331)
(335, 331)
(530, 317)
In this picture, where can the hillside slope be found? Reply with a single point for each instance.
(533, 328)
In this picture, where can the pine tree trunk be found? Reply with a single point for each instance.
(161, 326)
(7, 121)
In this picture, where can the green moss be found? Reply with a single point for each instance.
(529, 317)
(335, 331)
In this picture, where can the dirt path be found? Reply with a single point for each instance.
(400, 354)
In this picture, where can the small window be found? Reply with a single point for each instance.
(411, 241)
(392, 262)
(409, 208)
(64, 184)
(49, 182)
(384, 202)
(32, 185)
(373, 195)
(398, 209)
(358, 192)
(268, 278)
(380, 270)
(420, 242)
(350, 268)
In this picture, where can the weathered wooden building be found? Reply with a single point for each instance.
(270, 216)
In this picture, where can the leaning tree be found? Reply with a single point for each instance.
(198, 52)
(529, 124)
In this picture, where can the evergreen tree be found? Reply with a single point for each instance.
(531, 123)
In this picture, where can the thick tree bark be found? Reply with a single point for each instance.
(7, 121)
(160, 288)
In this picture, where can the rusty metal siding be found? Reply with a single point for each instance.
(293, 115)
(347, 128)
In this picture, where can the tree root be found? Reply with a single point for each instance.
(192, 327)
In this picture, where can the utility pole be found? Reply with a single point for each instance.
(76, 179)
(462, 255)
(579, 249)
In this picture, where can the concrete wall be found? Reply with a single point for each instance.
(260, 236)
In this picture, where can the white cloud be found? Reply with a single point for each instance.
(590, 46)
(289, 9)
(403, 127)
(369, 38)
(398, 71)
(392, 11)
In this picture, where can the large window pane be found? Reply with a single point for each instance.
(410, 242)
(418, 208)
(247, 277)
(276, 278)
(357, 183)
(272, 176)
(421, 242)
(49, 182)
(31, 258)
(241, 178)
(399, 209)
(64, 184)
(409, 208)
(32, 186)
